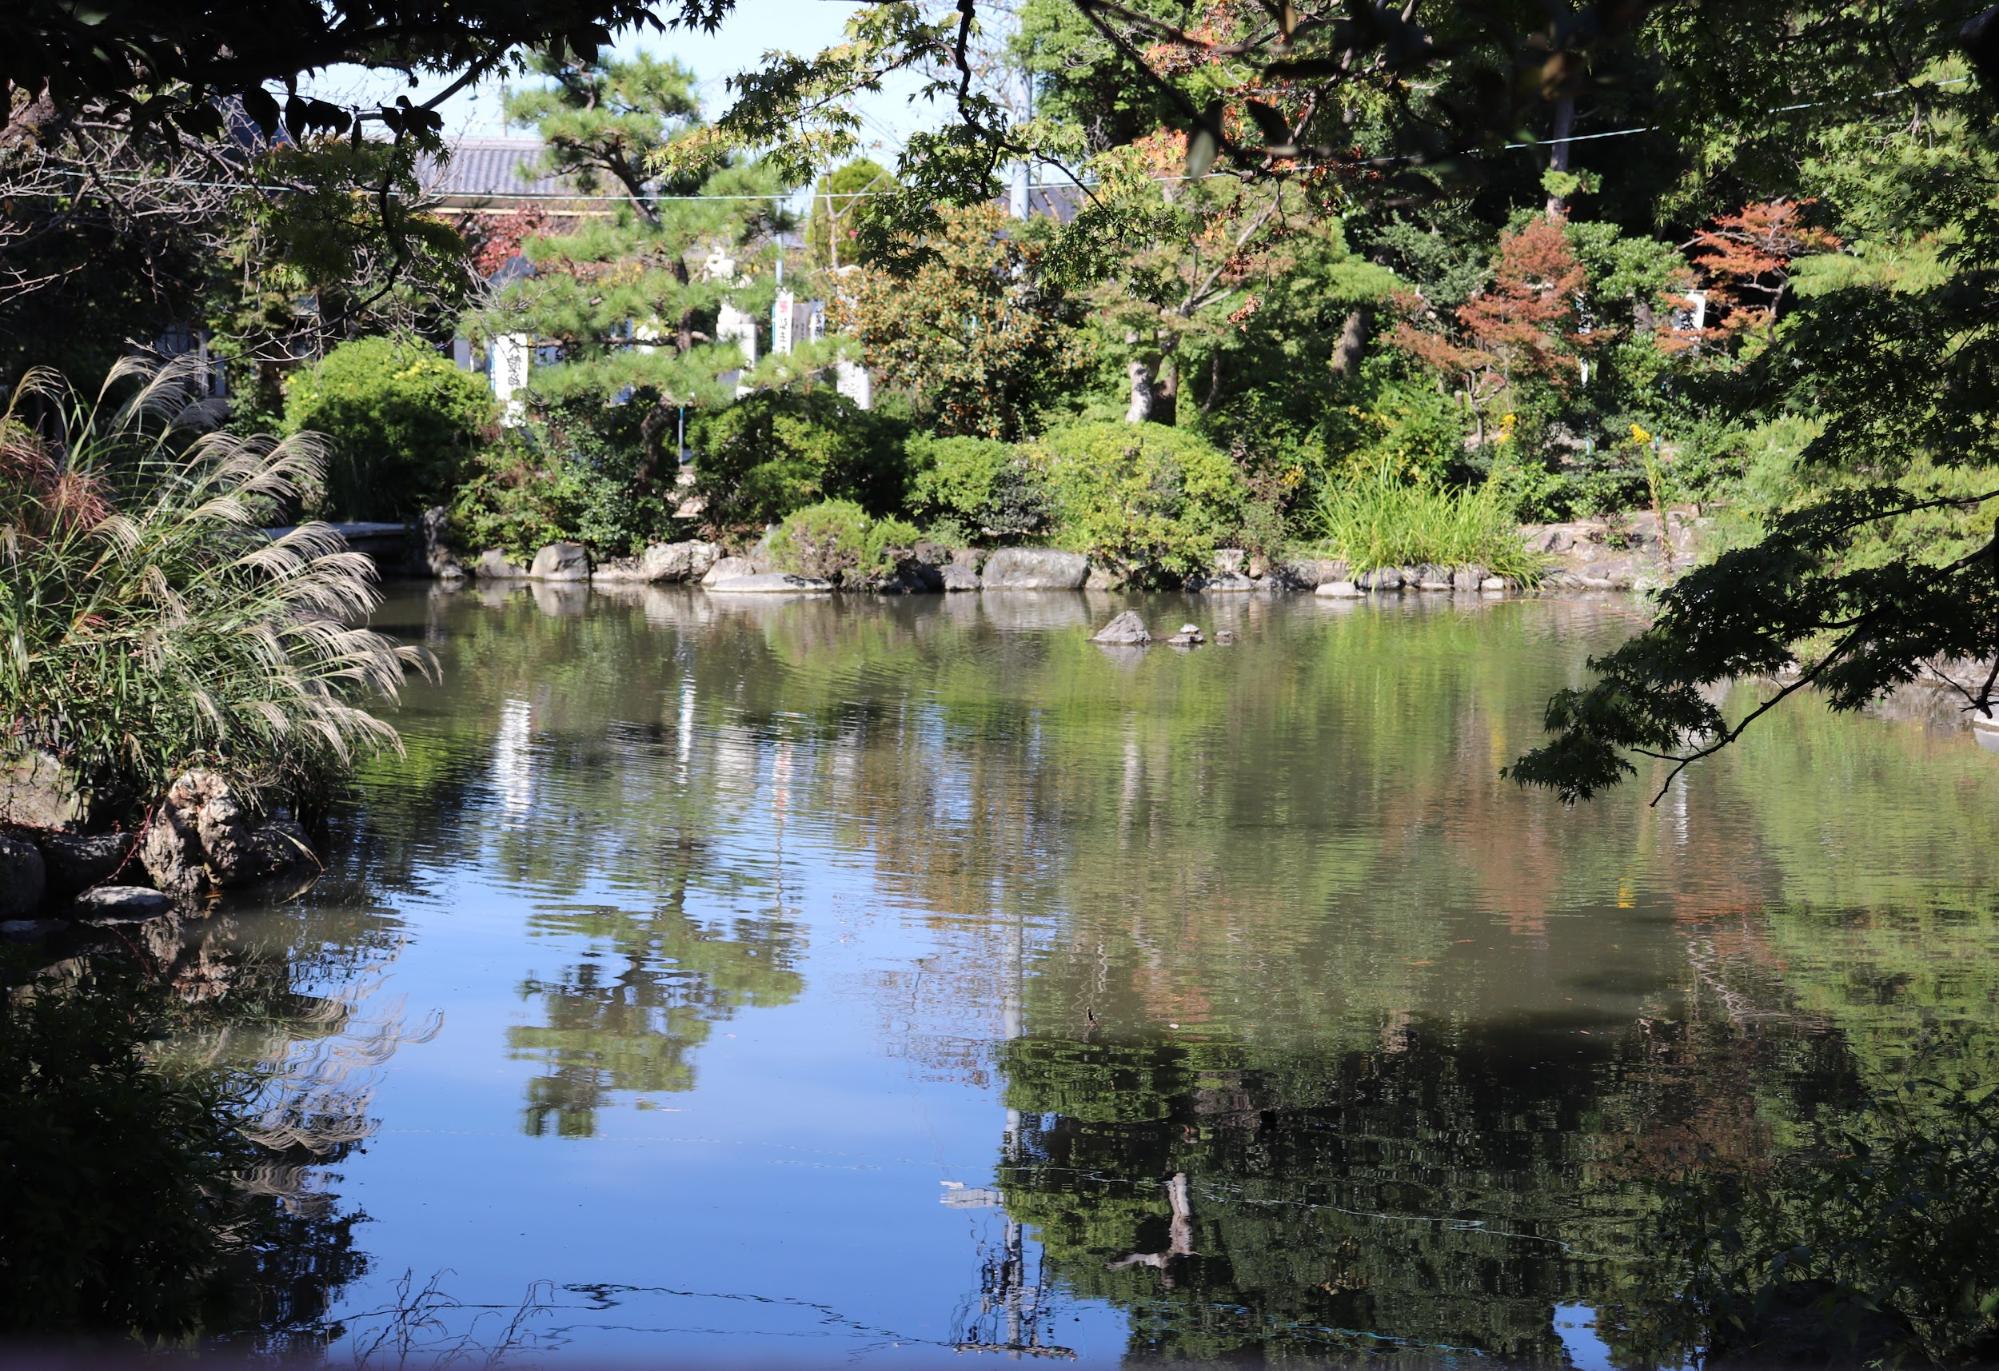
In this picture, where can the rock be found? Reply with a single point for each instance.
(275, 851)
(1188, 636)
(1035, 568)
(494, 566)
(1431, 578)
(932, 553)
(1232, 583)
(676, 562)
(1467, 577)
(912, 576)
(765, 583)
(969, 557)
(561, 562)
(662, 563)
(958, 577)
(727, 568)
(23, 878)
(1307, 573)
(1229, 561)
(1224, 636)
(618, 571)
(114, 903)
(36, 792)
(1493, 583)
(172, 848)
(1381, 578)
(1339, 590)
(77, 861)
(433, 553)
(200, 840)
(1126, 630)
(1103, 578)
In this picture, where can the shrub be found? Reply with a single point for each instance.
(979, 487)
(837, 541)
(579, 473)
(401, 424)
(777, 451)
(148, 624)
(1151, 500)
(1381, 520)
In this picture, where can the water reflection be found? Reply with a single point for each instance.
(1242, 1008)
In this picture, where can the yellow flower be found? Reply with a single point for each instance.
(1639, 435)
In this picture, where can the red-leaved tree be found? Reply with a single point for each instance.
(1744, 260)
(1523, 327)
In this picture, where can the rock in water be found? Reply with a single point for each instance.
(1339, 589)
(959, 577)
(561, 562)
(1126, 630)
(198, 832)
(1224, 636)
(1188, 636)
(119, 902)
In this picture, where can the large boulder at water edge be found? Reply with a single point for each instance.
(23, 879)
(662, 564)
(1307, 573)
(958, 577)
(561, 562)
(494, 566)
(77, 861)
(1126, 630)
(201, 839)
(1035, 568)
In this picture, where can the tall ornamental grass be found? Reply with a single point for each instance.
(148, 624)
(1378, 520)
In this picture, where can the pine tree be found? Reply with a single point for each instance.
(625, 294)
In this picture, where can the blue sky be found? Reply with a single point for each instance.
(802, 26)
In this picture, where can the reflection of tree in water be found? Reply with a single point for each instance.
(627, 1019)
(248, 1072)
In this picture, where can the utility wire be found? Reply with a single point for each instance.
(83, 171)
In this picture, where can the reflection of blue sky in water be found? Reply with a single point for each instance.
(730, 911)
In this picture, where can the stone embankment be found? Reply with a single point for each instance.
(198, 841)
(1627, 552)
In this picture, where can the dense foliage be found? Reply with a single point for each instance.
(1149, 502)
(401, 426)
(777, 451)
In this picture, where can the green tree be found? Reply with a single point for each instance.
(839, 200)
(402, 422)
(627, 297)
(977, 335)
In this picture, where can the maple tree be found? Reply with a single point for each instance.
(1744, 261)
(1524, 326)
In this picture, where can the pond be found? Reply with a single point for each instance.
(735, 980)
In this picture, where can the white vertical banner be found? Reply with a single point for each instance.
(508, 356)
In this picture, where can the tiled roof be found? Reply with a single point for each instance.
(490, 168)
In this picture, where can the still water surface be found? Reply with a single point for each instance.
(758, 982)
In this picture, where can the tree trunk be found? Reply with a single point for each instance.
(1558, 150)
(1353, 342)
(1166, 392)
(1140, 408)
